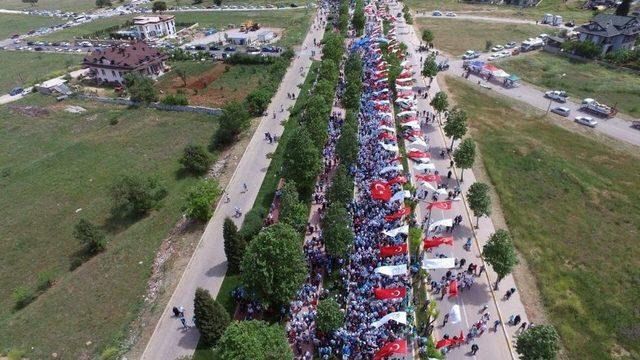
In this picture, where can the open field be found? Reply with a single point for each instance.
(457, 36)
(613, 87)
(85, 30)
(20, 24)
(570, 10)
(210, 84)
(57, 167)
(571, 203)
(66, 5)
(28, 68)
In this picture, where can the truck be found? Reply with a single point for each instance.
(591, 106)
(531, 44)
(557, 20)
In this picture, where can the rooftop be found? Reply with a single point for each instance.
(128, 56)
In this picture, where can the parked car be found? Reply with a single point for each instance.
(497, 48)
(436, 13)
(586, 120)
(561, 110)
(16, 91)
(635, 125)
(269, 49)
(201, 47)
(557, 95)
(570, 24)
(470, 54)
(38, 48)
(229, 49)
(450, 14)
(505, 53)
(493, 57)
(253, 50)
(214, 48)
(510, 45)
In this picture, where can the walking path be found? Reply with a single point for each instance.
(208, 264)
(492, 345)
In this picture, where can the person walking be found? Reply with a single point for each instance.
(474, 349)
(244, 188)
(184, 322)
(445, 319)
(522, 327)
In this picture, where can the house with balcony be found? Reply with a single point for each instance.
(152, 27)
(610, 32)
(110, 65)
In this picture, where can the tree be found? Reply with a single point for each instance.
(440, 102)
(93, 239)
(200, 198)
(341, 188)
(427, 36)
(301, 161)
(329, 71)
(217, 2)
(253, 221)
(430, 68)
(195, 159)
(336, 230)
(140, 88)
(274, 266)
(212, 318)
(456, 125)
(234, 245)
(479, 200)
(500, 254)
(317, 129)
(234, 119)
(182, 75)
(329, 317)
(103, 3)
(623, 8)
(136, 195)
(326, 89)
(253, 340)
(347, 145)
(257, 101)
(293, 212)
(352, 94)
(464, 156)
(358, 18)
(541, 342)
(159, 6)
(333, 47)
(488, 45)
(32, 2)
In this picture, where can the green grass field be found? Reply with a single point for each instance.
(85, 30)
(20, 24)
(613, 87)
(458, 36)
(57, 167)
(572, 205)
(28, 68)
(66, 5)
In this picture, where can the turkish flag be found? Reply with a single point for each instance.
(409, 119)
(437, 241)
(429, 178)
(459, 340)
(392, 293)
(397, 158)
(442, 343)
(387, 251)
(380, 190)
(390, 348)
(386, 135)
(413, 133)
(397, 180)
(397, 215)
(444, 205)
(453, 288)
(415, 154)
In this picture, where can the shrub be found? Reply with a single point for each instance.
(257, 101)
(140, 88)
(22, 296)
(93, 239)
(110, 353)
(330, 318)
(135, 195)
(175, 99)
(200, 198)
(234, 119)
(252, 224)
(195, 159)
(45, 280)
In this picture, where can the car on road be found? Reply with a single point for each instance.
(505, 53)
(497, 48)
(16, 91)
(561, 110)
(635, 125)
(586, 120)
(557, 95)
(253, 50)
(436, 13)
(229, 49)
(510, 45)
(214, 48)
(470, 54)
(270, 49)
(494, 57)
(201, 47)
(450, 14)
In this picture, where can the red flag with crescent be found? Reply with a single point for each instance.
(397, 180)
(398, 214)
(392, 293)
(390, 348)
(459, 340)
(437, 241)
(429, 178)
(387, 251)
(386, 135)
(416, 154)
(453, 288)
(444, 205)
(380, 190)
(444, 342)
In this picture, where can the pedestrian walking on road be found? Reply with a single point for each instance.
(516, 320)
(176, 312)
(227, 199)
(495, 325)
(522, 327)
(481, 270)
(474, 349)
(445, 319)
(244, 188)
(184, 322)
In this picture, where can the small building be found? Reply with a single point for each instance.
(150, 27)
(611, 32)
(111, 64)
(55, 86)
(237, 37)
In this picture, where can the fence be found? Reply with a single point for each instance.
(159, 106)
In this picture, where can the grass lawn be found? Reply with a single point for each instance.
(572, 205)
(458, 36)
(56, 168)
(570, 9)
(613, 87)
(20, 24)
(66, 5)
(209, 84)
(85, 30)
(29, 68)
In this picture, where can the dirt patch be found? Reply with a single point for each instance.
(174, 255)
(29, 110)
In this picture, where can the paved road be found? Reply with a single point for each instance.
(208, 265)
(5, 99)
(493, 345)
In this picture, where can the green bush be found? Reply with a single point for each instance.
(175, 99)
(110, 353)
(199, 200)
(90, 235)
(134, 195)
(253, 221)
(45, 280)
(22, 296)
(195, 159)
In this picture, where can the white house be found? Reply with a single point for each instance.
(149, 27)
(111, 64)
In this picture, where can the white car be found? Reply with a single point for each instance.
(497, 48)
(450, 14)
(470, 54)
(586, 120)
(556, 95)
(494, 57)
(510, 45)
(505, 53)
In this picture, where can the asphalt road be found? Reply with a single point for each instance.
(208, 264)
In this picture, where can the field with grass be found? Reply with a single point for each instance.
(570, 9)
(28, 68)
(20, 24)
(457, 36)
(572, 205)
(56, 168)
(213, 84)
(613, 87)
(205, 3)
(66, 5)
(86, 30)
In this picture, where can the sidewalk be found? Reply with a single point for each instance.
(208, 264)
